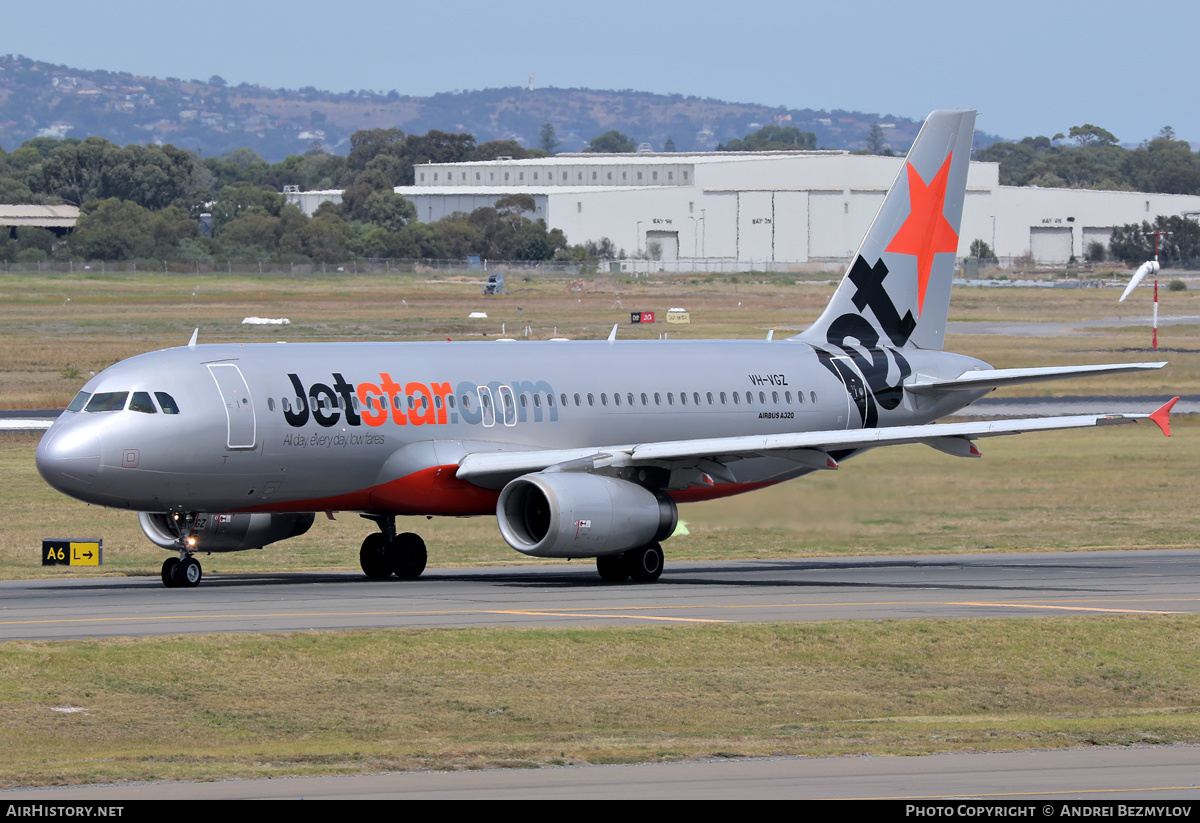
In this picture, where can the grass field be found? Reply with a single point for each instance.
(320, 703)
(213, 706)
(56, 329)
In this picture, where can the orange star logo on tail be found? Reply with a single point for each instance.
(926, 231)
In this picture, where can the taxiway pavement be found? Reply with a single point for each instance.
(977, 585)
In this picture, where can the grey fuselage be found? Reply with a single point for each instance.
(298, 427)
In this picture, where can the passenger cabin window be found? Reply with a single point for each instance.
(107, 401)
(141, 402)
(79, 402)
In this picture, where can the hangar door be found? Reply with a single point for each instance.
(1050, 244)
(668, 241)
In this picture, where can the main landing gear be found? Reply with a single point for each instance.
(643, 565)
(181, 572)
(385, 553)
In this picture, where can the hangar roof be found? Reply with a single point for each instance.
(50, 217)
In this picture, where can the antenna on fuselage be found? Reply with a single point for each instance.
(195, 334)
(612, 335)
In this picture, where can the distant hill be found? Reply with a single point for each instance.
(211, 117)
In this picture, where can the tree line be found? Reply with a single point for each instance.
(146, 202)
(149, 202)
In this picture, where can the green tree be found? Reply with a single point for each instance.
(981, 250)
(1089, 135)
(499, 148)
(113, 229)
(388, 210)
(517, 204)
(548, 139)
(875, 141)
(325, 236)
(235, 201)
(1132, 244)
(611, 142)
(773, 138)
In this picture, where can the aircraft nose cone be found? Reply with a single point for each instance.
(69, 460)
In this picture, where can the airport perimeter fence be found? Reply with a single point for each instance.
(481, 268)
(1021, 268)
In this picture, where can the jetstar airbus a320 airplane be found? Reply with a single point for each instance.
(581, 449)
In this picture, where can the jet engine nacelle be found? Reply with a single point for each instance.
(571, 514)
(225, 532)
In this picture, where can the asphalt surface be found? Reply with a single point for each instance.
(1143, 775)
(987, 585)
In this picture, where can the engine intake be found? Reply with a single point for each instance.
(225, 532)
(581, 515)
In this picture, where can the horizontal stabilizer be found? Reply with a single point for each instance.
(1162, 416)
(999, 378)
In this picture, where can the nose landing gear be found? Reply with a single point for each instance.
(181, 572)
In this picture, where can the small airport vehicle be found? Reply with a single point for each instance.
(581, 449)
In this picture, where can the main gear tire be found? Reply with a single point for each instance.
(373, 557)
(612, 568)
(646, 563)
(407, 556)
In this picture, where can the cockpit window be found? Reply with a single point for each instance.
(141, 402)
(79, 402)
(167, 402)
(107, 401)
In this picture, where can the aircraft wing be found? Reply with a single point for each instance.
(807, 448)
(998, 378)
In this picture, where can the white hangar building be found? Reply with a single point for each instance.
(739, 210)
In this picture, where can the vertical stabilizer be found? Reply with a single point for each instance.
(897, 289)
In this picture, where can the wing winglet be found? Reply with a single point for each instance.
(1162, 415)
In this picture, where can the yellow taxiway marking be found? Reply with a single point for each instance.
(1064, 608)
(572, 613)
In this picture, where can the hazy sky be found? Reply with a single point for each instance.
(1028, 67)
